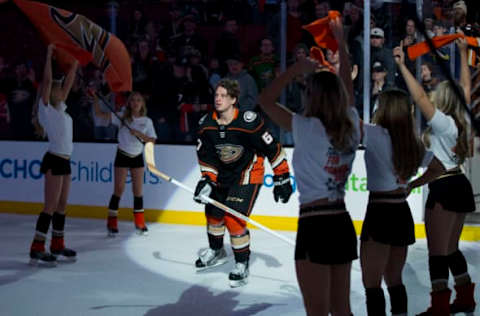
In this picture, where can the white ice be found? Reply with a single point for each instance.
(154, 275)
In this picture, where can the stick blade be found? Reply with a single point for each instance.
(149, 155)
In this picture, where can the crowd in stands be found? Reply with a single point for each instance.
(180, 49)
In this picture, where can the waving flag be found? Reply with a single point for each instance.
(321, 32)
(75, 35)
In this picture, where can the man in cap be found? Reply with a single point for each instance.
(381, 53)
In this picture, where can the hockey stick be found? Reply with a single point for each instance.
(150, 159)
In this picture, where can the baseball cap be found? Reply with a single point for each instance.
(378, 67)
(460, 5)
(376, 31)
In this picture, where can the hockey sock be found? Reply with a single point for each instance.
(241, 246)
(58, 224)
(375, 301)
(41, 229)
(398, 299)
(458, 266)
(138, 211)
(215, 232)
(438, 266)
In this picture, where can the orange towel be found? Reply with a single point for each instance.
(321, 32)
(422, 48)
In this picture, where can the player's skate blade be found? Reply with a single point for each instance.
(239, 275)
(210, 258)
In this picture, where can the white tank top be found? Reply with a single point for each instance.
(381, 174)
(320, 170)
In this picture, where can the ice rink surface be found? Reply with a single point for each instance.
(154, 275)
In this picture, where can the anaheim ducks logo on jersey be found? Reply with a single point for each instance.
(229, 153)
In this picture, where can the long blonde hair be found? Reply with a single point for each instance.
(395, 113)
(326, 99)
(128, 116)
(446, 100)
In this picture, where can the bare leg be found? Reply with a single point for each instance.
(314, 281)
(52, 192)
(340, 289)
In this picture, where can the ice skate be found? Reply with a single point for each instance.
(464, 302)
(42, 258)
(142, 231)
(210, 258)
(112, 226)
(239, 275)
(65, 254)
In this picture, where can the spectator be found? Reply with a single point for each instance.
(228, 43)
(247, 99)
(410, 33)
(21, 93)
(189, 38)
(167, 95)
(429, 81)
(136, 26)
(197, 100)
(379, 81)
(381, 53)
(214, 72)
(295, 90)
(264, 66)
(141, 68)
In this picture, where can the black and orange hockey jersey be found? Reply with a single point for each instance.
(235, 153)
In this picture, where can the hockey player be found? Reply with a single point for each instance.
(57, 125)
(232, 146)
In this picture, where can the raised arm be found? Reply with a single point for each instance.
(67, 85)
(47, 75)
(465, 80)
(419, 95)
(98, 112)
(345, 71)
(269, 95)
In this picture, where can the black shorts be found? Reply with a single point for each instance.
(59, 165)
(122, 160)
(326, 239)
(453, 192)
(389, 223)
(240, 198)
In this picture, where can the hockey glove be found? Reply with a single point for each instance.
(283, 187)
(204, 187)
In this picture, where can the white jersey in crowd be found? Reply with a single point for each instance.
(126, 141)
(320, 170)
(381, 173)
(58, 127)
(443, 139)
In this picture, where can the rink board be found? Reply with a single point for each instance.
(21, 186)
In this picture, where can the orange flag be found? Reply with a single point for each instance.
(317, 54)
(321, 32)
(422, 48)
(78, 37)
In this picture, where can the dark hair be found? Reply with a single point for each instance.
(232, 87)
